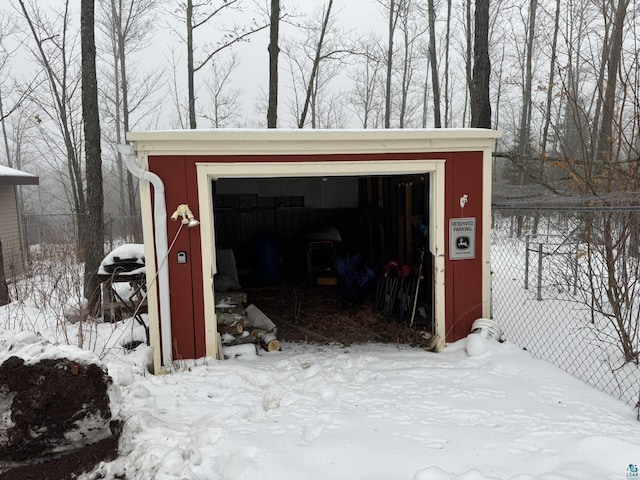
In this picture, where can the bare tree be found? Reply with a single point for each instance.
(5, 297)
(551, 83)
(480, 103)
(274, 50)
(368, 86)
(393, 13)
(524, 137)
(447, 58)
(412, 28)
(175, 93)
(314, 60)
(316, 64)
(54, 50)
(467, 53)
(612, 53)
(94, 247)
(126, 25)
(198, 15)
(223, 106)
(606, 177)
(433, 60)
(12, 94)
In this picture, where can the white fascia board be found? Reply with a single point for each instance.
(310, 142)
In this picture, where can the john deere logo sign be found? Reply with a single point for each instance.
(462, 238)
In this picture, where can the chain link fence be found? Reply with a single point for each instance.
(59, 229)
(566, 286)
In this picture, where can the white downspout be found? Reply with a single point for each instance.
(162, 249)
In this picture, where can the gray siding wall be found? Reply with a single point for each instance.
(10, 233)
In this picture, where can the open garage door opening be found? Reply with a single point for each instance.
(329, 258)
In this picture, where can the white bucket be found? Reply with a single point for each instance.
(487, 329)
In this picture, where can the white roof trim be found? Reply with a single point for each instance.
(309, 142)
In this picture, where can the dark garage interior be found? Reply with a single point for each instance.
(334, 259)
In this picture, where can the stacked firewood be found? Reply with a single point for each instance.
(238, 324)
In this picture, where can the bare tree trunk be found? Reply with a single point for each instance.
(605, 143)
(191, 89)
(124, 86)
(393, 18)
(425, 98)
(316, 64)
(62, 92)
(406, 67)
(552, 71)
(499, 91)
(126, 24)
(5, 298)
(468, 64)
(223, 102)
(366, 98)
(200, 14)
(437, 121)
(480, 104)
(447, 101)
(274, 50)
(117, 125)
(525, 117)
(600, 81)
(94, 247)
(5, 138)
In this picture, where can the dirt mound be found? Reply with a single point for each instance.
(56, 418)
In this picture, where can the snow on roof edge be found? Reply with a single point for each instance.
(12, 176)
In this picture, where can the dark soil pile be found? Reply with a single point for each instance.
(316, 315)
(67, 466)
(57, 419)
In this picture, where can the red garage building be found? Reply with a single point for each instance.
(260, 190)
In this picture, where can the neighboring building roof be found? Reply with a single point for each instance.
(11, 176)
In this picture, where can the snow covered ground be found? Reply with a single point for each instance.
(478, 410)
(364, 412)
(560, 327)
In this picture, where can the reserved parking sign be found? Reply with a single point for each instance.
(462, 238)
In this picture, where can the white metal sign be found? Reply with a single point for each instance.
(462, 238)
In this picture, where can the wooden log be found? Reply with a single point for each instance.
(235, 329)
(269, 342)
(256, 334)
(230, 298)
(237, 309)
(237, 339)
(242, 339)
(257, 319)
(230, 319)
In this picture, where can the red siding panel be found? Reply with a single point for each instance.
(463, 278)
(173, 172)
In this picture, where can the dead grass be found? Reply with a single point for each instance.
(313, 315)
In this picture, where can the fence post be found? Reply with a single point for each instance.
(539, 271)
(575, 269)
(526, 265)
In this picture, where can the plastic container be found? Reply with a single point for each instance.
(488, 329)
(269, 261)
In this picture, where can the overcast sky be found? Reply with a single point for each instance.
(251, 76)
